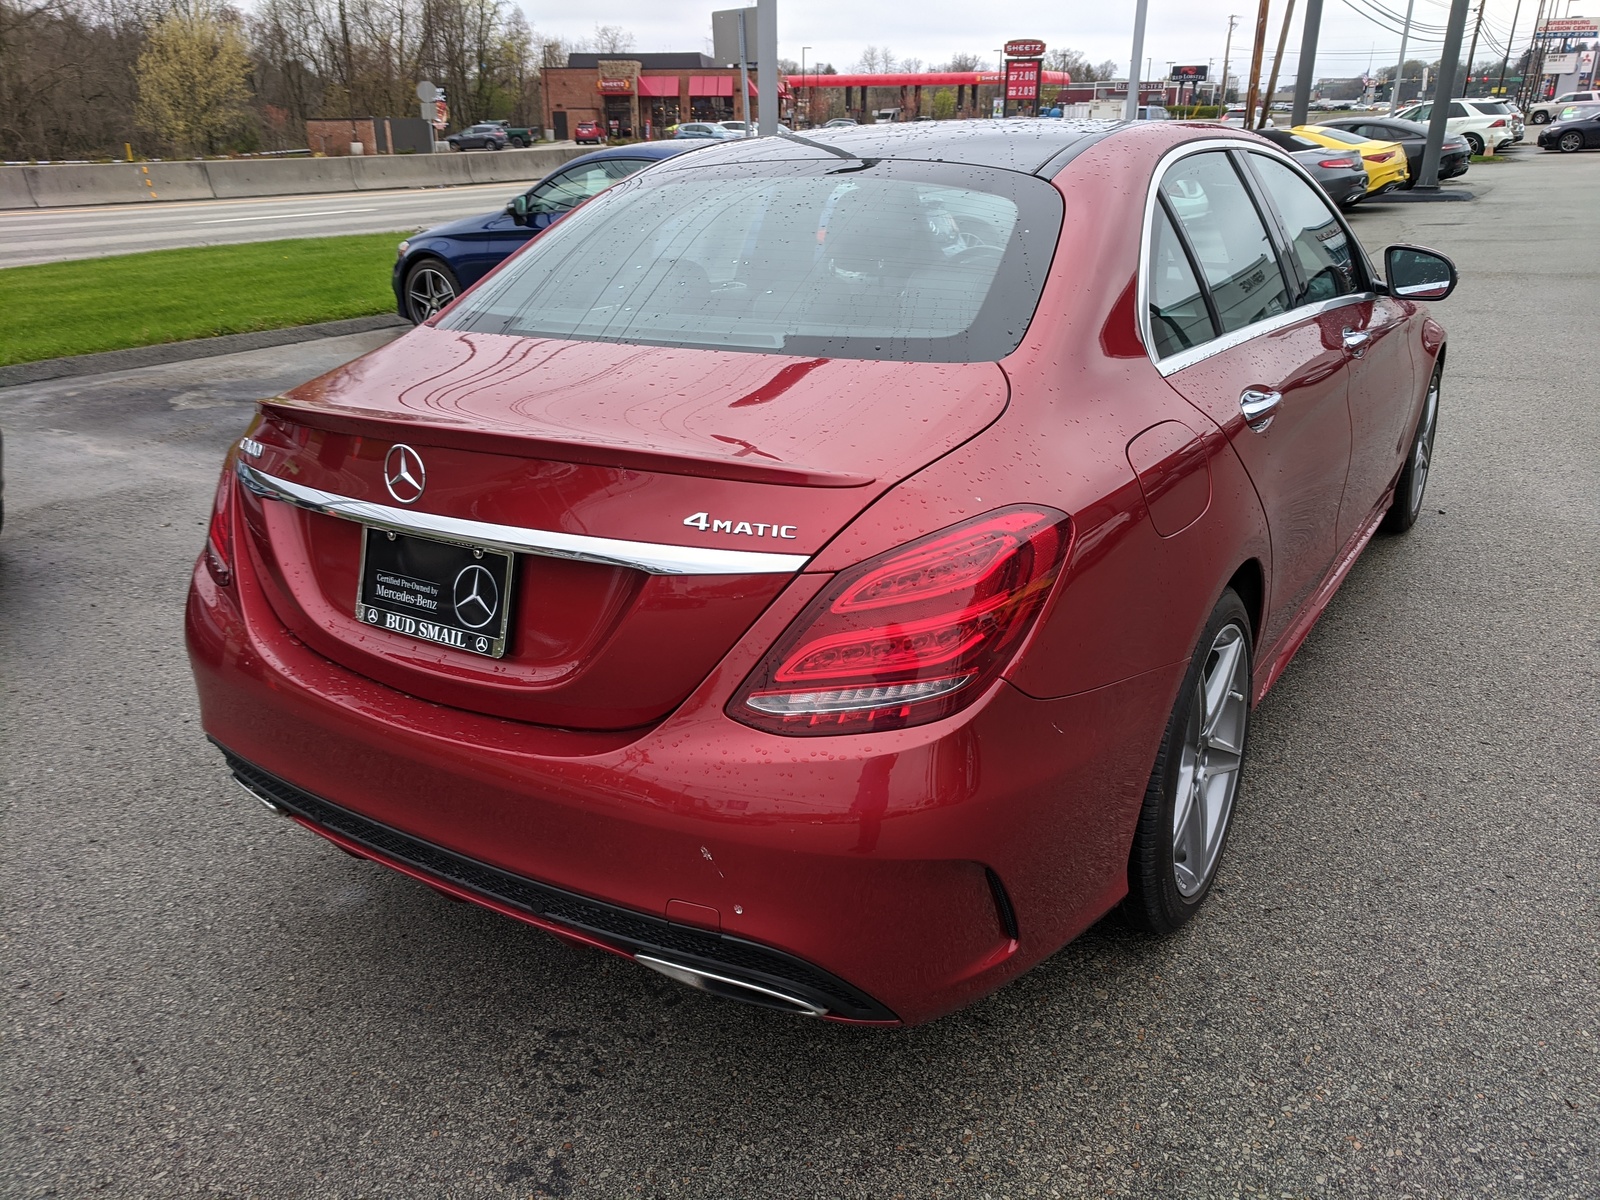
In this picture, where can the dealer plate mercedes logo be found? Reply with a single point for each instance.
(403, 473)
(476, 596)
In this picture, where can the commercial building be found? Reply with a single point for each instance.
(643, 95)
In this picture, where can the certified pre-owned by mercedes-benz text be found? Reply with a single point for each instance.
(833, 570)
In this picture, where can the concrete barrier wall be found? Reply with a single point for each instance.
(66, 185)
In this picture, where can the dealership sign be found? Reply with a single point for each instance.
(1025, 48)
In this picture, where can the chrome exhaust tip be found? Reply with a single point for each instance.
(255, 795)
(731, 989)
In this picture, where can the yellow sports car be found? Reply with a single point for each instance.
(1385, 161)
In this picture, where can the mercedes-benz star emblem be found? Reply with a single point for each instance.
(477, 596)
(403, 473)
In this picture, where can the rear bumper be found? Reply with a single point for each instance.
(750, 972)
(870, 861)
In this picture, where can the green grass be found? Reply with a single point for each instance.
(173, 295)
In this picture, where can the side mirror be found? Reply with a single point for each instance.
(1415, 273)
(517, 210)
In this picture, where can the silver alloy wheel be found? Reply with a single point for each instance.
(1571, 141)
(1475, 144)
(1212, 753)
(427, 291)
(1422, 450)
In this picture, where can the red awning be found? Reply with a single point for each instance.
(711, 85)
(659, 85)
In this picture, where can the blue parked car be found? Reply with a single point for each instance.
(438, 264)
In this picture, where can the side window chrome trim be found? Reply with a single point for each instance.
(1177, 362)
(1174, 363)
(655, 558)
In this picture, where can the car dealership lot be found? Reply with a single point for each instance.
(1391, 993)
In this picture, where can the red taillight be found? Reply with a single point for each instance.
(1384, 157)
(219, 537)
(913, 635)
(1499, 124)
(1337, 162)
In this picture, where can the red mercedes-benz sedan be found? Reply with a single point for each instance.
(832, 571)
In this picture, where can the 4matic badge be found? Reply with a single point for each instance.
(704, 521)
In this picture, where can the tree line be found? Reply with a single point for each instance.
(84, 78)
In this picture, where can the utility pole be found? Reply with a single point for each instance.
(1400, 75)
(1500, 88)
(1257, 53)
(1308, 62)
(1227, 50)
(1272, 83)
(1472, 53)
(1443, 90)
(1525, 91)
(1130, 109)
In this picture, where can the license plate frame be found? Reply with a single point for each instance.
(433, 589)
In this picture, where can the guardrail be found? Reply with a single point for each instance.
(65, 185)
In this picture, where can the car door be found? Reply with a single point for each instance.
(1370, 329)
(1231, 338)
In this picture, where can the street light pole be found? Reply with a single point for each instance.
(803, 50)
(1405, 36)
(1308, 62)
(1130, 109)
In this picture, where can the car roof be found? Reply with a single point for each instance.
(1400, 124)
(1015, 145)
(637, 150)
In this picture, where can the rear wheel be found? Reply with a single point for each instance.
(1540, 117)
(1570, 142)
(1188, 804)
(519, 143)
(1408, 489)
(430, 285)
(1475, 143)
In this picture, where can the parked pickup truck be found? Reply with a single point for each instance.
(516, 136)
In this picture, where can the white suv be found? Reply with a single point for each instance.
(1543, 114)
(1482, 122)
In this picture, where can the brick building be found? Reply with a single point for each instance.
(644, 95)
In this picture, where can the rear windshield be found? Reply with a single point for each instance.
(1343, 135)
(924, 262)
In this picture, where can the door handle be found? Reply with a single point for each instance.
(1258, 407)
(1355, 340)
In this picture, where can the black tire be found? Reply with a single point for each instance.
(1166, 887)
(519, 143)
(426, 284)
(1539, 118)
(495, 145)
(1413, 480)
(1475, 144)
(1570, 142)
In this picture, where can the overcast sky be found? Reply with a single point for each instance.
(1184, 31)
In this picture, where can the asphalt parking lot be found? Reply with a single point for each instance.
(1393, 992)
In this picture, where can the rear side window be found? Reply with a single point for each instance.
(1319, 242)
(1179, 319)
(1220, 221)
(1459, 110)
(1493, 108)
(923, 262)
(577, 184)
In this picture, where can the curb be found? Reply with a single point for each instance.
(171, 352)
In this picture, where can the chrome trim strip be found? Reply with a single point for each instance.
(1187, 358)
(652, 557)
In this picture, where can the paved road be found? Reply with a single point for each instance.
(1392, 993)
(53, 234)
